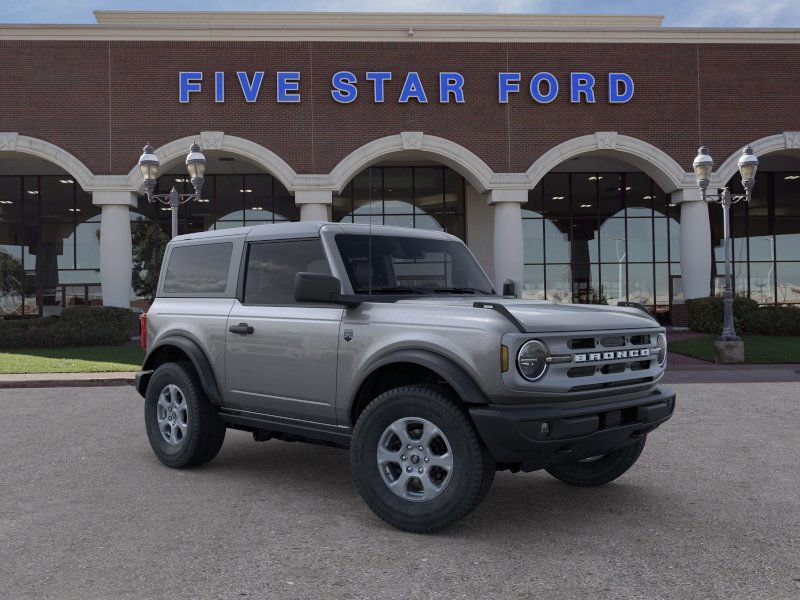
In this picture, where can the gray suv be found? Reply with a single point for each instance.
(391, 342)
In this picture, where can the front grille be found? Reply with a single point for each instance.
(581, 371)
(613, 342)
(605, 359)
(581, 344)
(611, 384)
(615, 368)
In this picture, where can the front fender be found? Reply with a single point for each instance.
(454, 375)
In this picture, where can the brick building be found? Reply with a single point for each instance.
(558, 147)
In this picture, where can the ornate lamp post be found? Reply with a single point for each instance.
(195, 164)
(703, 165)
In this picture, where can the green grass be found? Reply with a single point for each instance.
(92, 359)
(758, 349)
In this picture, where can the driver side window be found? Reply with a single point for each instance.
(272, 266)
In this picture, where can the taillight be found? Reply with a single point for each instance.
(143, 331)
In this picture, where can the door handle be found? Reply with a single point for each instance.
(242, 328)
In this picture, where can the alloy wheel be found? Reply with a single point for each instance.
(415, 459)
(172, 415)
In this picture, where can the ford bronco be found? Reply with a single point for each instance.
(393, 343)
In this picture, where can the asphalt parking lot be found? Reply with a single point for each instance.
(712, 510)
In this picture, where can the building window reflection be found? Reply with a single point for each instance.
(601, 238)
(49, 245)
(766, 240)
(419, 197)
(228, 201)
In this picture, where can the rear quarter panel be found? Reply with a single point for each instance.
(202, 320)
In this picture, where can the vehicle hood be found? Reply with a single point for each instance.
(542, 316)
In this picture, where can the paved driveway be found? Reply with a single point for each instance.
(712, 510)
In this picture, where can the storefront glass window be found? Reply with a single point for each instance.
(766, 239)
(600, 238)
(49, 243)
(420, 197)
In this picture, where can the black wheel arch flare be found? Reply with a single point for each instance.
(201, 364)
(456, 377)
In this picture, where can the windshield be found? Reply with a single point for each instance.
(410, 265)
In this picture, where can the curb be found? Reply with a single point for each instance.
(50, 383)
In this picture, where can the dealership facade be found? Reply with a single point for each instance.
(558, 147)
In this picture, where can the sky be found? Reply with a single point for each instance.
(678, 13)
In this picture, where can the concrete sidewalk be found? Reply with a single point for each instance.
(46, 380)
(712, 373)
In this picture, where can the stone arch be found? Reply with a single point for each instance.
(444, 151)
(781, 142)
(656, 163)
(11, 141)
(218, 140)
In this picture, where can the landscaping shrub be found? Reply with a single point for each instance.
(706, 314)
(783, 320)
(77, 326)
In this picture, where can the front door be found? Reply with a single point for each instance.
(281, 356)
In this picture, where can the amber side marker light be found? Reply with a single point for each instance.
(504, 358)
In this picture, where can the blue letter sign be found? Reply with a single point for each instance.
(250, 90)
(412, 88)
(581, 83)
(188, 81)
(536, 88)
(543, 86)
(506, 83)
(378, 77)
(288, 86)
(344, 90)
(615, 80)
(219, 86)
(451, 83)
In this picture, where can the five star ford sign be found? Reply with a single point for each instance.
(542, 87)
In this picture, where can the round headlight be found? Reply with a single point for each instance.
(661, 349)
(531, 360)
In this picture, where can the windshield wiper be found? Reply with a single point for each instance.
(461, 290)
(390, 290)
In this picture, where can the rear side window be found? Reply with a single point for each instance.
(198, 269)
(272, 266)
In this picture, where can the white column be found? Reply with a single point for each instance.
(507, 244)
(695, 243)
(115, 246)
(314, 204)
(480, 223)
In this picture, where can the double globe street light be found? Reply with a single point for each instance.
(703, 165)
(195, 164)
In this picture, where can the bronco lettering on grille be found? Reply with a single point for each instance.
(616, 355)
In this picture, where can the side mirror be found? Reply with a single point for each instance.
(510, 288)
(316, 287)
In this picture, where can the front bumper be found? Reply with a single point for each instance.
(535, 437)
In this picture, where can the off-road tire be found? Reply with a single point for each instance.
(602, 470)
(473, 467)
(206, 431)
